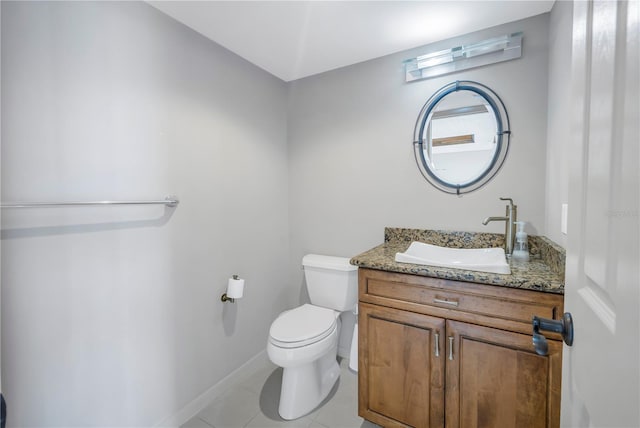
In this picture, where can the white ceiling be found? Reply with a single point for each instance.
(295, 39)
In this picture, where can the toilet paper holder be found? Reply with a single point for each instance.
(224, 298)
(235, 289)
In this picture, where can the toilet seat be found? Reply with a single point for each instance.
(302, 326)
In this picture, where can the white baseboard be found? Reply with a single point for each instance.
(242, 373)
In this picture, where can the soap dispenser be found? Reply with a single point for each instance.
(521, 248)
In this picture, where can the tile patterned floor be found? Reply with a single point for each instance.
(254, 404)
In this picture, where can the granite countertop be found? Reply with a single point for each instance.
(543, 272)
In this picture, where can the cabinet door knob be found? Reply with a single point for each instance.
(451, 348)
(437, 344)
(563, 326)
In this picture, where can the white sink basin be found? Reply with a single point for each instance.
(478, 259)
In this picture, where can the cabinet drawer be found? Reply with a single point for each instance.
(458, 300)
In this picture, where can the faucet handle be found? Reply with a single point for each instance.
(508, 199)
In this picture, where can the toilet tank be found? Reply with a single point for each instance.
(331, 281)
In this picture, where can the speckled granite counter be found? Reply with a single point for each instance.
(544, 271)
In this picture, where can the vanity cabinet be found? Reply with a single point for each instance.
(443, 353)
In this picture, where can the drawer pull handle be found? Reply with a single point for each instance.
(450, 348)
(437, 345)
(446, 302)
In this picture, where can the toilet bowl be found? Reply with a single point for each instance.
(310, 365)
(304, 341)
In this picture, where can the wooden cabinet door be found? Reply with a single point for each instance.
(401, 367)
(495, 379)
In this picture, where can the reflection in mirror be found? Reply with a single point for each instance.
(462, 137)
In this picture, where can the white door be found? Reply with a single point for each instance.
(601, 379)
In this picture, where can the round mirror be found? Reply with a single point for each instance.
(461, 137)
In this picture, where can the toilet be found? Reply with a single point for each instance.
(304, 341)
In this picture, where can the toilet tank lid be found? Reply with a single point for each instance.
(328, 262)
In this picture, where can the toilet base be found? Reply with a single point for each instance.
(304, 387)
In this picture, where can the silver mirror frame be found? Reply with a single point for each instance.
(502, 137)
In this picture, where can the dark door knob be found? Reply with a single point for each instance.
(563, 326)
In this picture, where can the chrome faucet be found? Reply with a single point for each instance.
(511, 216)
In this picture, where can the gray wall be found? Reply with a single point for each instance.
(352, 169)
(558, 117)
(111, 316)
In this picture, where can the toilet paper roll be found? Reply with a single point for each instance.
(235, 288)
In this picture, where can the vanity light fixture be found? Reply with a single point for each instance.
(463, 57)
